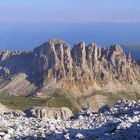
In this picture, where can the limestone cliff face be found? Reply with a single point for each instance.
(82, 67)
(50, 113)
(52, 60)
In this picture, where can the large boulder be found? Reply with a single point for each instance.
(49, 113)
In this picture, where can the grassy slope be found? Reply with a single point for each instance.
(22, 103)
(113, 97)
(62, 101)
(124, 95)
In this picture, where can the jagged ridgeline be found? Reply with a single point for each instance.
(88, 74)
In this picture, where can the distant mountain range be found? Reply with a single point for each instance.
(133, 49)
(79, 73)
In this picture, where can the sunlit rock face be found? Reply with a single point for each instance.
(50, 113)
(52, 60)
(56, 56)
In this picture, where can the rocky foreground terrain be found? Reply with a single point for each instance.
(121, 122)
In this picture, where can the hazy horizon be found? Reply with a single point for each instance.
(27, 24)
(104, 34)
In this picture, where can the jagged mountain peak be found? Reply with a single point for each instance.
(81, 45)
(56, 41)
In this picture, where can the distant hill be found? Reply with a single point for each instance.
(135, 50)
(138, 61)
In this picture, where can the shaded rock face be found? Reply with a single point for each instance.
(50, 113)
(82, 66)
(12, 63)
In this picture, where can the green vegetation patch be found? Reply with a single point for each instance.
(113, 97)
(110, 98)
(21, 103)
(62, 101)
(127, 95)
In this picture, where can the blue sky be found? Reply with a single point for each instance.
(25, 24)
(69, 11)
